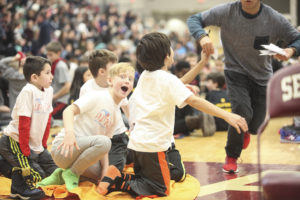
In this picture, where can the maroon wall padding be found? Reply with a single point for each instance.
(283, 99)
(281, 186)
(290, 78)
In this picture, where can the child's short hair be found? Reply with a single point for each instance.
(83, 59)
(182, 65)
(54, 47)
(99, 59)
(34, 65)
(118, 68)
(217, 77)
(152, 51)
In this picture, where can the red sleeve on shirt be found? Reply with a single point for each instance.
(24, 134)
(46, 133)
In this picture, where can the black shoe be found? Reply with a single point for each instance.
(5, 168)
(19, 187)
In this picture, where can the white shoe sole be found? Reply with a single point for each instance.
(25, 198)
(18, 196)
(231, 171)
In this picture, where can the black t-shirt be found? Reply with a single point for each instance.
(220, 99)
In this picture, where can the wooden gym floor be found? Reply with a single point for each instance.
(204, 156)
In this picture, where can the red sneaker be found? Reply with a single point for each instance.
(230, 165)
(246, 140)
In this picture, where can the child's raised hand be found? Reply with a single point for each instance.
(204, 57)
(237, 122)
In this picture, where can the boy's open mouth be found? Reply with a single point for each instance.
(124, 88)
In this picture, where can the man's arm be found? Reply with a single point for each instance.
(196, 27)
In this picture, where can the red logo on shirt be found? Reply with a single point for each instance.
(40, 106)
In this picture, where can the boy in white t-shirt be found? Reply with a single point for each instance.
(89, 124)
(24, 144)
(100, 62)
(152, 106)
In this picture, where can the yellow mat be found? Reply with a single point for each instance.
(186, 190)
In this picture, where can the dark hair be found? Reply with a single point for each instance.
(182, 65)
(34, 65)
(217, 77)
(99, 59)
(152, 50)
(77, 82)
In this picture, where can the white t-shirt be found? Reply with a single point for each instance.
(97, 115)
(152, 109)
(91, 85)
(36, 104)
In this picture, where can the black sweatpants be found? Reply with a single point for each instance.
(118, 151)
(176, 166)
(152, 174)
(248, 99)
(41, 165)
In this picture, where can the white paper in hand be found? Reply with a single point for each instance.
(266, 53)
(272, 49)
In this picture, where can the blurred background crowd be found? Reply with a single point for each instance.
(27, 26)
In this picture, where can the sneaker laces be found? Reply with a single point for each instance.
(30, 183)
(28, 178)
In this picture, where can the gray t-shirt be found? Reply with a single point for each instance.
(61, 76)
(242, 35)
(16, 80)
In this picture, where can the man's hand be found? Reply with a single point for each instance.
(289, 52)
(207, 45)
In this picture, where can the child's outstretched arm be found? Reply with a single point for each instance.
(69, 140)
(190, 75)
(234, 120)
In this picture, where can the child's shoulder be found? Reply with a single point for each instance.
(62, 64)
(88, 83)
(162, 74)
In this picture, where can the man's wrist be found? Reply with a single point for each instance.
(202, 36)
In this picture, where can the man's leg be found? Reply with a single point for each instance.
(238, 88)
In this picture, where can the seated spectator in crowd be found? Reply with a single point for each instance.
(82, 75)
(186, 119)
(215, 83)
(4, 113)
(219, 65)
(11, 69)
(192, 59)
(61, 79)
